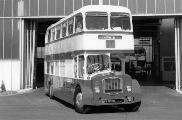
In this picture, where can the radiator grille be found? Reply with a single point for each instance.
(112, 85)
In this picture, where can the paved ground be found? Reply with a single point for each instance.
(158, 103)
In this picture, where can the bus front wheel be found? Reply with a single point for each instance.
(78, 102)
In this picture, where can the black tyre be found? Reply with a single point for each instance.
(132, 107)
(78, 102)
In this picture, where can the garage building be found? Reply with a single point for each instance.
(157, 32)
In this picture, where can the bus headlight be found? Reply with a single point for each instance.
(96, 87)
(128, 87)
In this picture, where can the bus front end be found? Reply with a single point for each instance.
(114, 89)
(109, 83)
(109, 38)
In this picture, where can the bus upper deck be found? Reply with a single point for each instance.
(92, 28)
(102, 14)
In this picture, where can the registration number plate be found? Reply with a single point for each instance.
(113, 101)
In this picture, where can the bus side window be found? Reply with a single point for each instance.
(52, 68)
(48, 65)
(120, 21)
(78, 23)
(57, 68)
(62, 68)
(46, 37)
(49, 36)
(116, 64)
(53, 34)
(64, 29)
(58, 32)
(81, 66)
(75, 67)
(70, 26)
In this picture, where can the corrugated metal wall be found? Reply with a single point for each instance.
(30, 8)
(11, 11)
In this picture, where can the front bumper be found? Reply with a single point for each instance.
(114, 99)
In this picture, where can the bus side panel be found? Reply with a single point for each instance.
(68, 87)
(68, 90)
(136, 90)
(62, 89)
(57, 82)
(86, 88)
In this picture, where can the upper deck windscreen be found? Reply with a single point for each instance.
(96, 20)
(100, 21)
(120, 21)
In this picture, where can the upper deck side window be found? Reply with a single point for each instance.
(78, 22)
(58, 31)
(48, 36)
(70, 26)
(120, 21)
(53, 34)
(64, 29)
(96, 20)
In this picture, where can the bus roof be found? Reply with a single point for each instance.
(103, 8)
(94, 8)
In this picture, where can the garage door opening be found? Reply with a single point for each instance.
(39, 52)
(33, 52)
(153, 62)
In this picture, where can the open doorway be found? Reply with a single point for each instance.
(39, 52)
(144, 64)
(167, 52)
(153, 62)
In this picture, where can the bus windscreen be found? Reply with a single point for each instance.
(97, 63)
(120, 21)
(96, 20)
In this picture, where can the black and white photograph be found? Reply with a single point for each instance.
(90, 59)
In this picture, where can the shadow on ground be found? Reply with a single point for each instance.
(94, 109)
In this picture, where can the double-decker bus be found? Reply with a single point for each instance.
(85, 55)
